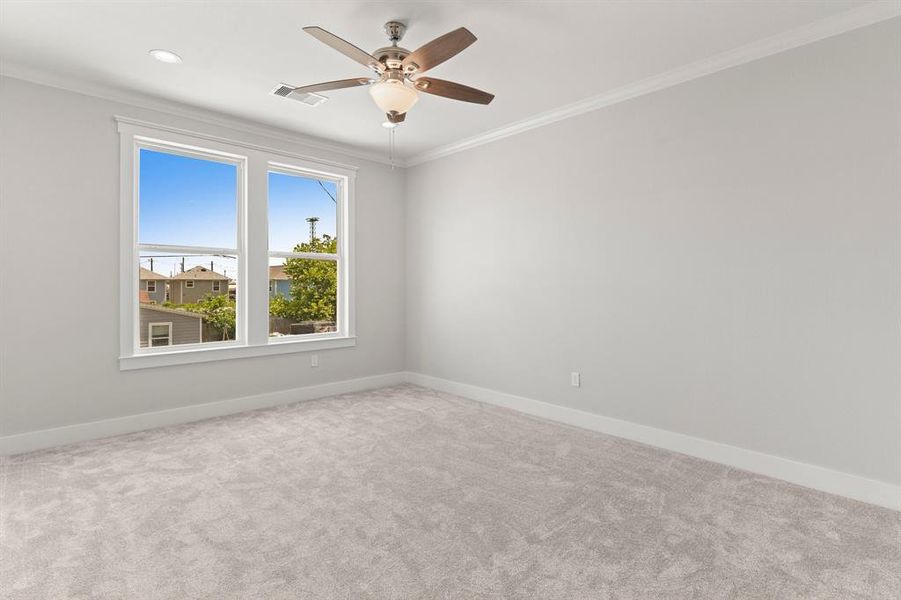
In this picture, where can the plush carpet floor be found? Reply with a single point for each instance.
(409, 493)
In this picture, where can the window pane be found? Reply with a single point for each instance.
(202, 312)
(187, 201)
(159, 331)
(303, 296)
(302, 214)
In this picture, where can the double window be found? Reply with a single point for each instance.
(214, 220)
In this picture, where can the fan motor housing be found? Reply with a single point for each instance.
(391, 56)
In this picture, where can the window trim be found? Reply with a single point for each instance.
(183, 147)
(168, 325)
(148, 284)
(216, 285)
(252, 336)
(339, 258)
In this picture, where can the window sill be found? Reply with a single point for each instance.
(200, 355)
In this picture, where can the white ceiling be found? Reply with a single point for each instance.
(535, 56)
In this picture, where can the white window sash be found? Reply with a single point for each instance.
(344, 257)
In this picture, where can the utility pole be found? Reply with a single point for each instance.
(312, 221)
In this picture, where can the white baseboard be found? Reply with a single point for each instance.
(819, 478)
(59, 436)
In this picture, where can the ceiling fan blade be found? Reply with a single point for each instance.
(454, 91)
(345, 48)
(333, 85)
(394, 117)
(438, 50)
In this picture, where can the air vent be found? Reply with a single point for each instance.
(287, 91)
(282, 90)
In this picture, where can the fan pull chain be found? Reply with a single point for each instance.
(391, 147)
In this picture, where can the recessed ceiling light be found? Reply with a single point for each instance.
(165, 56)
(389, 125)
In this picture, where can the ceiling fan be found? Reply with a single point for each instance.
(399, 71)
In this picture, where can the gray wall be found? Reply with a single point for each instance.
(180, 293)
(719, 259)
(158, 296)
(185, 329)
(59, 179)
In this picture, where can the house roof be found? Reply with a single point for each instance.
(199, 272)
(277, 272)
(147, 274)
(174, 311)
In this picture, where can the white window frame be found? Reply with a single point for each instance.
(254, 162)
(189, 284)
(216, 285)
(149, 283)
(340, 229)
(150, 326)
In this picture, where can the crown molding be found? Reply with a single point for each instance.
(867, 14)
(179, 109)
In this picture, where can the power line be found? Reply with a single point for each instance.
(325, 189)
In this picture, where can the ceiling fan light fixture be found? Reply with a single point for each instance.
(395, 91)
(393, 96)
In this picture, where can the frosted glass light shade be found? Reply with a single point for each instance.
(393, 96)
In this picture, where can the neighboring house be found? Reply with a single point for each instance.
(169, 327)
(279, 282)
(154, 284)
(195, 284)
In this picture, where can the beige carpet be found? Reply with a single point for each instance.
(409, 493)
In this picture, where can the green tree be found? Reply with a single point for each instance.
(218, 311)
(314, 284)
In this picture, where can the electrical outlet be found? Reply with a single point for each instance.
(575, 379)
(314, 360)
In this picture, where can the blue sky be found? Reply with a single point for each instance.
(192, 202)
(187, 201)
(291, 200)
